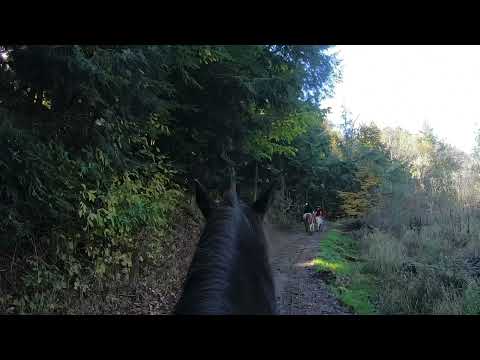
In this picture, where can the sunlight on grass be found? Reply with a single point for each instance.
(328, 265)
(353, 288)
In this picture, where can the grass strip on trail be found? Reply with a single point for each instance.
(339, 265)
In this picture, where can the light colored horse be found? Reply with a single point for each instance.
(319, 222)
(309, 221)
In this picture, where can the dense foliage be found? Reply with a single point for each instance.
(99, 145)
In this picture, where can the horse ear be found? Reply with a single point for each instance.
(203, 200)
(264, 202)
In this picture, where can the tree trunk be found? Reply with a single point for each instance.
(282, 180)
(135, 269)
(233, 182)
(230, 165)
(468, 223)
(283, 187)
(192, 200)
(255, 182)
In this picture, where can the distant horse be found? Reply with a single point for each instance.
(230, 272)
(320, 223)
(309, 221)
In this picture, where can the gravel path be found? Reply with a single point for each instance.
(299, 289)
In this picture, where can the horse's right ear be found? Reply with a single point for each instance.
(203, 201)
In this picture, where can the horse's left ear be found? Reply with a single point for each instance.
(264, 202)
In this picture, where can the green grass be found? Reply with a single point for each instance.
(339, 255)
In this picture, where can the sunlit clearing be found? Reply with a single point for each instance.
(332, 266)
(306, 264)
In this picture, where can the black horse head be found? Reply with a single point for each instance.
(230, 272)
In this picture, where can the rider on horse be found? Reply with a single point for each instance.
(307, 208)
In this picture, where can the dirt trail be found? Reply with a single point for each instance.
(299, 289)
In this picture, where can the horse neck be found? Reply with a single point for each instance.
(226, 266)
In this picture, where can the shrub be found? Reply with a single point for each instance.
(69, 223)
(117, 221)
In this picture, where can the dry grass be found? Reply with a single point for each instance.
(428, 269)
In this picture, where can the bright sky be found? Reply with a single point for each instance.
(406, 85)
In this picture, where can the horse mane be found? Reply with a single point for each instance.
(227, 251)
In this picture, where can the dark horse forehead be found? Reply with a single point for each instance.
(225, 208)
(230, 199)
(233, 212)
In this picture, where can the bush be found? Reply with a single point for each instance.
(69, 223)
(117, 222)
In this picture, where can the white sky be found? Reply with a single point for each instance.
(406, 85)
